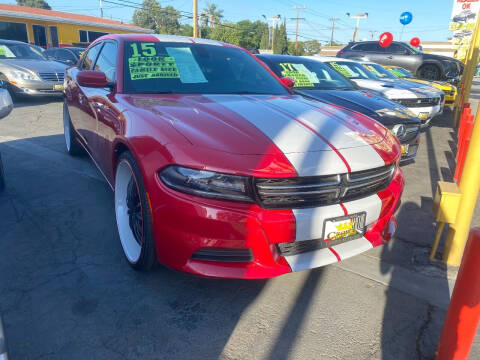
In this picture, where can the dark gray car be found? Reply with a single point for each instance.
(425, 66)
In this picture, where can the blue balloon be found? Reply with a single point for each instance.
(406, 18)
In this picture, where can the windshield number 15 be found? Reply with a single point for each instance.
(148, 49)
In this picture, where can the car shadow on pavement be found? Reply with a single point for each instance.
(67, 291)
(418, 291)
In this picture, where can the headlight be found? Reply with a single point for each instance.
(207, 184)
(23, 75)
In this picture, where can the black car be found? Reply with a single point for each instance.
(424, 66)
(67, 56)
(314, 79)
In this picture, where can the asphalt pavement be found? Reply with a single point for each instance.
(68, 293)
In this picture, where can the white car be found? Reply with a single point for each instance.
(421, 100)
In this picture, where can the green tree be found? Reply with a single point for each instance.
(153, 16)
(42, 4)
(280, 42)
(265, 40)
(227, 33)
(300, 48)
(185, 30)
(211, 16)
(251, 33)
(312, 47)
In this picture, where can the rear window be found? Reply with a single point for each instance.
(184, 68)
(351, 70)
(308, 74)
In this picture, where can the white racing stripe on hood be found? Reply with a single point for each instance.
(307, 152)
(356, 151)
(372, 205)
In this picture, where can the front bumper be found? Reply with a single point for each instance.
(37, 88)
(409, 150)
(427, 113)
(185, 224)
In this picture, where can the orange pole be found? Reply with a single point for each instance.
(464, 310)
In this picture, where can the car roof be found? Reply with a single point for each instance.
(67, 48)
(281, 57)
(161, 38)
(12, 42)
(328, 58)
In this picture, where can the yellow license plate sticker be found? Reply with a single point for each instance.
(423, 116)
(344, 228)
(405, 149)
(58, 87)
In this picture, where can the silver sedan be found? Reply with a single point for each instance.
(28, 71)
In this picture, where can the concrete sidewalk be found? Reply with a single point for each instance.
(68, 293)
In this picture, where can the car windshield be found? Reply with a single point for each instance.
(351, 70)
(185, 68)
(78, 51)
(307, 74)
(379, 71)
(20, 51)
(401, 72)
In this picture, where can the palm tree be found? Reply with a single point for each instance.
(213, 15)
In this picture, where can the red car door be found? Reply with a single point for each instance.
(82, 113)
(107, 113)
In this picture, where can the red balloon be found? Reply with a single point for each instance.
(415, 41)
(385, 39)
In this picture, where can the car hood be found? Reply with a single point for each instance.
(378, 107)
(424, 88)
(248, 124)
(389, 89)
(34, 65)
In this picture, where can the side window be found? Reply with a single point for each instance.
(397, 49)
(369, 47)
(89, 58)
(107, 61)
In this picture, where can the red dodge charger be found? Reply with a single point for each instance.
(218, 169)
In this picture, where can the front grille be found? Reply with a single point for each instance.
(422, 102)
(312, 191)
(223, 255)
(51, 76)
(411, 132)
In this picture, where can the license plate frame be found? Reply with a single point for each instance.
(58, 87)
(358, 226)
(405, 148)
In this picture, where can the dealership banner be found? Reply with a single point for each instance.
(462, 23)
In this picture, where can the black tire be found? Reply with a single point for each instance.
(130, 201)
(71, 142)
(429, 72)
(2, 175)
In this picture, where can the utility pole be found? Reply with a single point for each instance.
(372, 33)
(101, 9)
(274, 23)
(333, 20)
(298, 8)
(358, 17)
(195, 18)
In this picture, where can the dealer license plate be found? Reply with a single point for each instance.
(405, 149)
(344, 228)
(58, 87)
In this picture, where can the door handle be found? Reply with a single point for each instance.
(390, 57)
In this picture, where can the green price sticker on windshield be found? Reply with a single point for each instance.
(342, 69)
(153, 67)
(2, 51)
(301, 79)
(397, 73)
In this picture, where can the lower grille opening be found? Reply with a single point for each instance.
(223, 255)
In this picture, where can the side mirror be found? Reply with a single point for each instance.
(93, 79)
(289, 83)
